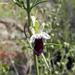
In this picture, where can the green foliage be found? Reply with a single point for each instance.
(3, 69)
(55, 21)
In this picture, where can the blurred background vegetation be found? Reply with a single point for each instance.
(58, 19)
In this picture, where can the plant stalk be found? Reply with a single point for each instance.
(36, 64)
(29, 18)
(29, 23)
(28, 12)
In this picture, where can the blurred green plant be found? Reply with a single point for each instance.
(4, 69)
(28, 7)
(59, 51)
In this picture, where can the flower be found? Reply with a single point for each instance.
(37, 40)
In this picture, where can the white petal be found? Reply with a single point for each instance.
(45, 35)
(35, 36)
(33, 19)
(32, 39)
(39, 35)
(33, 31)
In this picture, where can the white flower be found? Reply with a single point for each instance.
(42, 35)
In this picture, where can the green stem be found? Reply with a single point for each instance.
(29, 23)
(28, 12)
(36, 64)
(29, 20)
(37, 3)
(46, 62)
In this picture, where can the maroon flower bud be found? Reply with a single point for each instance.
(38, 46)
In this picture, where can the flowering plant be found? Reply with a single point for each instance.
(38, 37)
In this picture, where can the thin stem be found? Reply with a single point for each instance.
(24, 7)
(57, 44)
(34, 2)
(36, 64)
(46, 62)
(12, 63)
(18, 4)
(37, 4)
(28, 14)
(29, 20)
